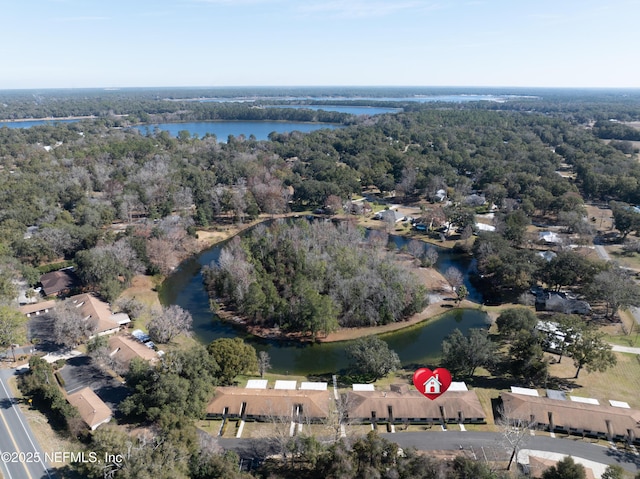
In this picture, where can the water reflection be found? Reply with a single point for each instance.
(416, 345)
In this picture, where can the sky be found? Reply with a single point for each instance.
(155, 43)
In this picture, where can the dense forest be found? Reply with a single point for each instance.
(314, 277)
(118, 202)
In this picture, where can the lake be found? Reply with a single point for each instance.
(30, 123)
(416, 345)
(352, 110)
(449, 98)
(222, 129)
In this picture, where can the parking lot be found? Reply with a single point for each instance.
(40, 333)
(79, 372)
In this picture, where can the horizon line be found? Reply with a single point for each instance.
(216, 87)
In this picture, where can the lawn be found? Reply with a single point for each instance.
(626, 260)
(211, 427)
(621, 383)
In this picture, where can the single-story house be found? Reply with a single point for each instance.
(94, 309)
(440, 196)
(549, 237)
(474, 200)
(59, 282)
(93, 410)
(36, 309)
(404, 404)
(125, 349)
(559, 303)
(266, 404)
(484, 227)
(593, 420)
(385, 215)
(30, 231)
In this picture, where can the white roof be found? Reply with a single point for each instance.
(619, 404)
(524, 391)
(457, 386)
(550, 237)
(313, 386)
(121, 318)
(289, 385)
(584, 400)
(485, 227)
(363, 387)
(256, 384)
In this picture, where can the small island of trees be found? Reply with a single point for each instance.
(313, 278)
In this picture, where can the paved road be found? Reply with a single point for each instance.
(625, 349)
(474, 444)
(17, 440)
(491, 444)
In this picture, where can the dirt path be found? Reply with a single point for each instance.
(443, 300)
(432, 311)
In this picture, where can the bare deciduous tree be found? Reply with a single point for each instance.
(454, 276)
(378, 239)
(338, 417)
(408, 182)
(415, 248)
(430, 257)
(133, 307)
(70, 327)
(162, 255)
(515, 431)
(167, 323)
(333, 204)
(264, 363)
(268, 192)
(100, 353)
(183, 198)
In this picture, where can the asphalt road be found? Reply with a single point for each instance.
(489, 443)
(20, 454)
(478, 445)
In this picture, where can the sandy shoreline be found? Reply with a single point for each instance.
(346, 334)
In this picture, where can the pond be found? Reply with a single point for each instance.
(416, 345)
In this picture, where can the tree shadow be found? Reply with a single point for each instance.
(624, 456)
(493, 382)
(563, 384)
